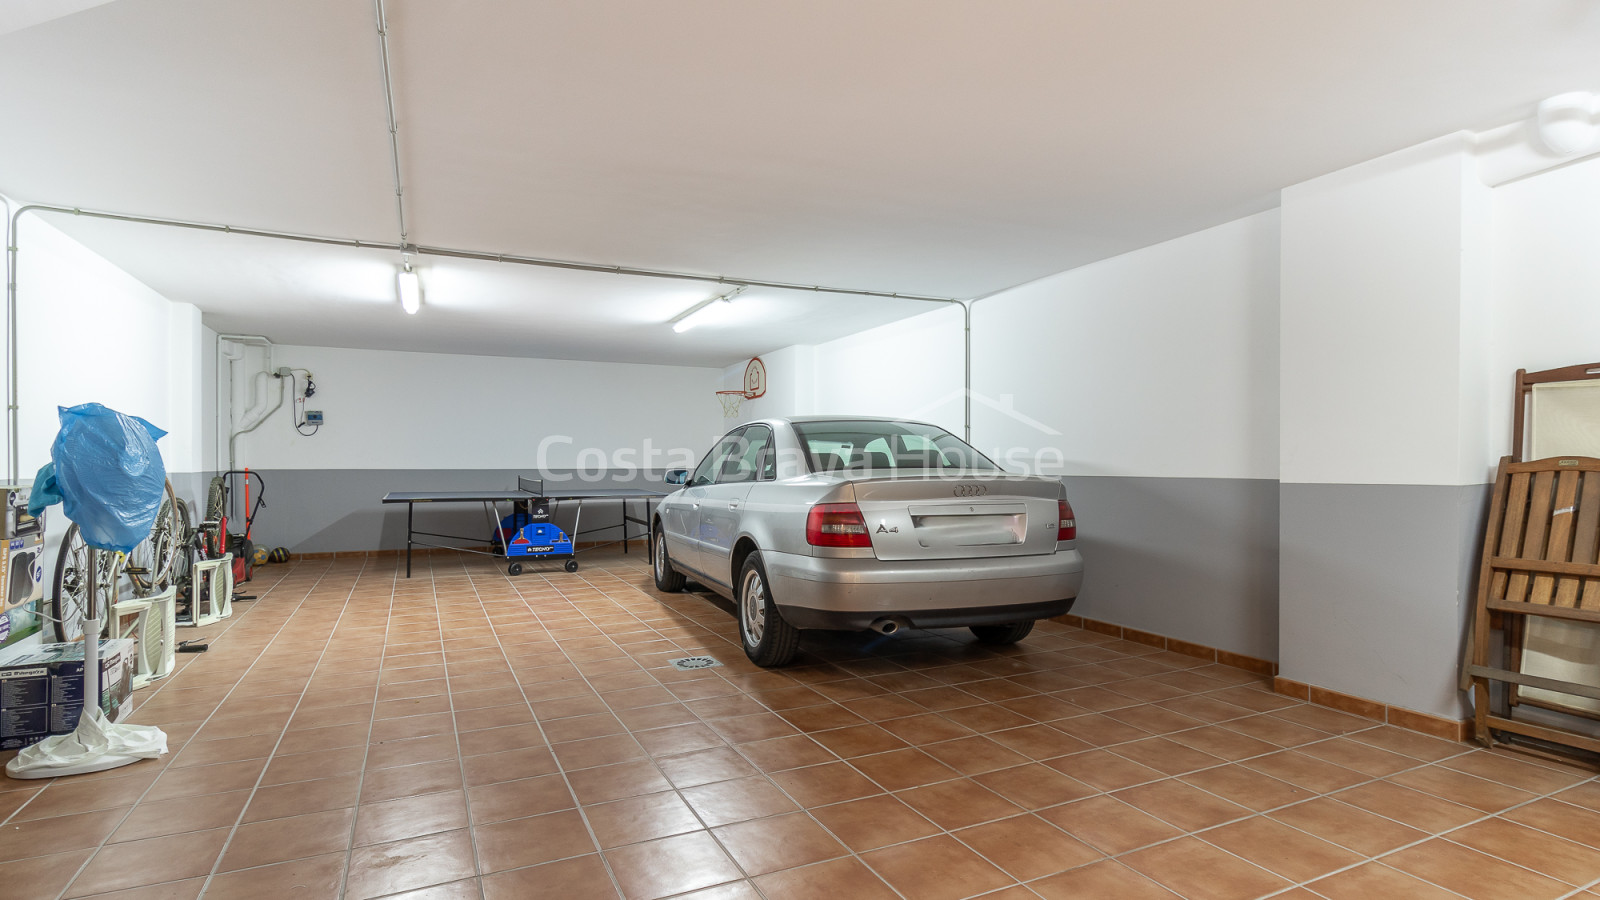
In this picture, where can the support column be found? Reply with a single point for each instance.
(1384, 428)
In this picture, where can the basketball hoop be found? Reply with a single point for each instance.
(755, 387)
(730, 402)
(755, 378)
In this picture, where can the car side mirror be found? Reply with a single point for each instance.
(676, 476)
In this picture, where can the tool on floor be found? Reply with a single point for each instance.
(240, 544)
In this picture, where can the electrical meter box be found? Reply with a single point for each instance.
(21, 550)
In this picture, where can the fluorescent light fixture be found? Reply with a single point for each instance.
(410, 290)
(703, 312)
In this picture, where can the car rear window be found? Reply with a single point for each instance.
(864, 444)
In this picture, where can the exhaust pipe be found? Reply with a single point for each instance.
(888, 625)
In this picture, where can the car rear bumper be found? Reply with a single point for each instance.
(852, 593)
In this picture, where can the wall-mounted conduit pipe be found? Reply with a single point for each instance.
(518, 259)
(12, 463)
(966, 371)
(394, 124)
(253, 414)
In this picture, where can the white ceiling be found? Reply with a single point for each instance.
(16, 15)
(932, 146)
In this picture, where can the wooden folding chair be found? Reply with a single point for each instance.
(1539, 559)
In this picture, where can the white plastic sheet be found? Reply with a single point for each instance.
(96, 744)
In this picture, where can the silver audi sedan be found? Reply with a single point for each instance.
(853, 523)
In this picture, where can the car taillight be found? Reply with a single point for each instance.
(837, 525)
(1067, 526)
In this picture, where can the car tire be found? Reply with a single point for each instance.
(668, 579)
(1002, 634)
(768, 639)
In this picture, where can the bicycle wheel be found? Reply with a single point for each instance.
(150, 564)
(216, 519)
(184, 557)
(71, 599)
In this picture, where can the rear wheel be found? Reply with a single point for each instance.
(667, 578)
(213, 527)
(1003, 634)
(183, 559)
(768, 640)
(150, 565)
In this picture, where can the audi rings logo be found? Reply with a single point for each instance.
(971, 490)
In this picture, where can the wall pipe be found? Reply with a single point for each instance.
(394, 127)
(548, 263)
(239, 341)
(225, 357)
(966, 372)
(12, 463)
(455, 253)
(233, 436)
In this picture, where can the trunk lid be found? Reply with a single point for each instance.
(945, 517)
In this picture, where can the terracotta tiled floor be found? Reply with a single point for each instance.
(463, 735)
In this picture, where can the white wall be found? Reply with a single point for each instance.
(1545, 283)
(400, 410)
(910, 369)
(791, 385)
(1162, 362)
(1385, 374)
(1157, 363)
(1378, 322)
(89, 332)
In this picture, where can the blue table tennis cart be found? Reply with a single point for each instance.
(528, 533)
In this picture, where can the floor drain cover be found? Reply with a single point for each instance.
(693, 662)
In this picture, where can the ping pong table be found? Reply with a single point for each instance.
(529, 491)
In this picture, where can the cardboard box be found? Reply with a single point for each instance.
(23, 726)
(24, 706)
(24, 686)
(64, 663)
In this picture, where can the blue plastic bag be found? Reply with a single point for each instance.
(109, 475)
(45, 490)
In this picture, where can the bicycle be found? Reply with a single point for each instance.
(149, 568)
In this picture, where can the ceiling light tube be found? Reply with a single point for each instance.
(410, 287)
(702, 312)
